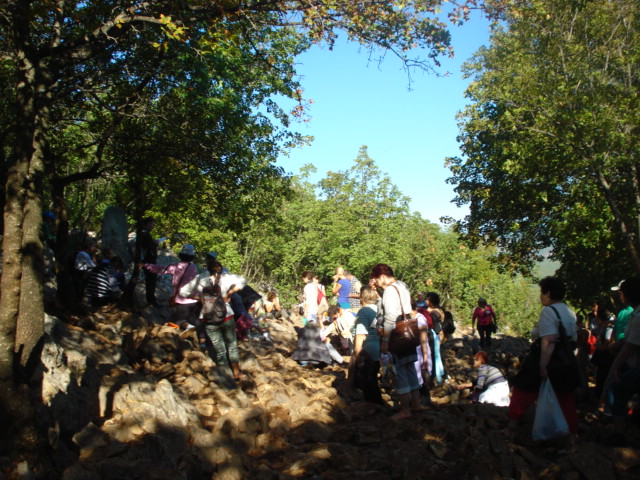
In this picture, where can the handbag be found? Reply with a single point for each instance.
(562, 367)
(405, 337)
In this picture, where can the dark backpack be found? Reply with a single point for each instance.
(449, 325)
(214, 308)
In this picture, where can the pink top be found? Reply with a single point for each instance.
(182, 273)
(484, 315)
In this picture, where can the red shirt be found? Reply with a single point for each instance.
(484, 315)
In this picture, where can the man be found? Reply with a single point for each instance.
(626, 383)
(354, 292)
(149, 254)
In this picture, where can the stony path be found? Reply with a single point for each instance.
(127, 397)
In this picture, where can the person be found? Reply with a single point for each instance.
(623, 380)
(436, 312)
(586, 345)
(341, 288)
(556, 320)
(364, 364)
(222, 331)
(620, 324)
(436, 335)
(354, 292)
(424, 363)
(601, 357)
(490, 386)
(312, 347)
(592, 318)
(485, 317)
(241, 302)
(272, 305)
(149, 254)
(106, 282)
(310, 293)
(323, 305)
(396, 303)
(84, 262)
(421, 302)
(186, 310)
(342, 324)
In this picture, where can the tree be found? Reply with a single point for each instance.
(550, 140)
(113, 58)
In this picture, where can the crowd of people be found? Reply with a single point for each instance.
(611, 346)
(361, 322)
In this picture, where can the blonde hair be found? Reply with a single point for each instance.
(339, 271)
(368, 295)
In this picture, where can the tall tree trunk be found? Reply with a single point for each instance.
(21, 304)
(625, 231)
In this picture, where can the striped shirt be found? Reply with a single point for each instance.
(102, 283)
(487, 376)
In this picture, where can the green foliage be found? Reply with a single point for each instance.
(551, 153)
(357, 218)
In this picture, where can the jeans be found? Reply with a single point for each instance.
(626, 388)
(225, 343)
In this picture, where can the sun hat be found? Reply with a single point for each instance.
(187, 250)
(213, 254)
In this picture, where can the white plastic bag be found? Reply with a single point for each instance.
(549, 421)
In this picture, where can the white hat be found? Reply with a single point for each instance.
(617, 287)
(187, 250)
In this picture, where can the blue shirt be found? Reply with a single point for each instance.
(345, 289)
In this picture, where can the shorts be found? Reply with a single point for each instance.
(406, 378)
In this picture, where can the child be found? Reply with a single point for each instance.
(365, 361)
(343, 325)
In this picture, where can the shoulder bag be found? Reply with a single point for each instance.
(405, 337)
(562, 366)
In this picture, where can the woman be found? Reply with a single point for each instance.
(365, 361)
(486, 317)
(556, 320)
(602, 358)
(424, 363)
(222, 334)
(272, 305)
(186, 311)
(341, 288)
(490, 386)
(396, 300)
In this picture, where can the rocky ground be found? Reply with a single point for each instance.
(124, 397)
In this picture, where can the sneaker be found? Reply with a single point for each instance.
(187, 329)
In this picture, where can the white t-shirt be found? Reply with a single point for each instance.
(391, 303)
(548, 322)
(311, 298)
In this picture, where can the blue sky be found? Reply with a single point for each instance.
(409, 133)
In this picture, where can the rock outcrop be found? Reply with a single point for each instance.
(124, 396)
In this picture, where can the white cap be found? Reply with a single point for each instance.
(617, 287)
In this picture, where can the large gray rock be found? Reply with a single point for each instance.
(115, 232)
